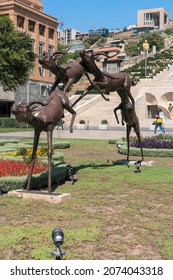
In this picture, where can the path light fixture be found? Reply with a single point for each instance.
(119, 148)
(138, 165)
(58, 240)
(72, 171)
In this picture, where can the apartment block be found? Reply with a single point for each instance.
(28, 16)
(69, 35)
(156, 18)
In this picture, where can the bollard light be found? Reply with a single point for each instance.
(58, 240)
(138, 165)
(119, 148)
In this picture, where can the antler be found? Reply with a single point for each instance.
(59, 54)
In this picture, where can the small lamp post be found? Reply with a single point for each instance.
(145, 47)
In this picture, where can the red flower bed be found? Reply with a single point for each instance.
(19, 168)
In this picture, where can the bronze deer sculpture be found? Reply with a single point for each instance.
(120, 82)
(50, 113)
(68, 74)
(130, 118)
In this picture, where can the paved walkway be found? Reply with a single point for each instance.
(77, 134)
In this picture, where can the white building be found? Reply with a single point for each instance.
(68, 35)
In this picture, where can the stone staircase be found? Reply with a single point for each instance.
(93, 108)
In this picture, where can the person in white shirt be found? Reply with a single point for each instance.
(160, 120)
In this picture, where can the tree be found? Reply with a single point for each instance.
(93, 39)
(169, 31)
(16, 55)
(153, 39)
(131, 48)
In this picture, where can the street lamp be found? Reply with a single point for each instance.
(145, 47)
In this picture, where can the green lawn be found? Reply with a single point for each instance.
(113, 213)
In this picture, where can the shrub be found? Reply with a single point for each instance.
(79, 92)
(155, 146)
(82, 122)
(12, 122)
(104, 122)
(9, 122)
(154, 143)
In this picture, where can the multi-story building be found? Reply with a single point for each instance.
(100, 31)
(152, 19)
(28, 16)
(69, 35)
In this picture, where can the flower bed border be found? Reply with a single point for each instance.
(39, 180)
(60, 170)
(137, 152)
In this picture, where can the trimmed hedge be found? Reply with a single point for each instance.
(55, 145)
(59, 174)
(11, 122)
(137, 151)
(60, 170)
(57, 158)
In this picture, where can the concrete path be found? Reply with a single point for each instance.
(77, 134)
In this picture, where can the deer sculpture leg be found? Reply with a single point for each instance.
(54, 85)
(96, 87)
(88, 89)
(119, 107)
(137, 131)
(70, 110)
(128, 130)
(68, 85)
(49, 139)
(127, 87)
(35, 145)
(125, 105)
(82, 95)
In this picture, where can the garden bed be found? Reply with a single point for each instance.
(39, 180)
(155, 146)
(16, 152)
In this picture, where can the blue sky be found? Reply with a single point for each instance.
(111, 14)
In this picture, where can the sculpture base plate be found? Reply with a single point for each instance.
(132, 162)
(52, 198)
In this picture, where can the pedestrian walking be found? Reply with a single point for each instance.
(160, 120)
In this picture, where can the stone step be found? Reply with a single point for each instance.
(94, 109)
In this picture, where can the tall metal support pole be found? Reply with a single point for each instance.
(145, 47)
(145, 63)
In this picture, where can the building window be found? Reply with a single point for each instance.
(31, 26)
(41, 29)
(41, 70)
(41, 48)
(43, 90)
(50, 51)
(51, 33)
(32, 42)
(32, 89)
(148, 16)
(20, 21)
